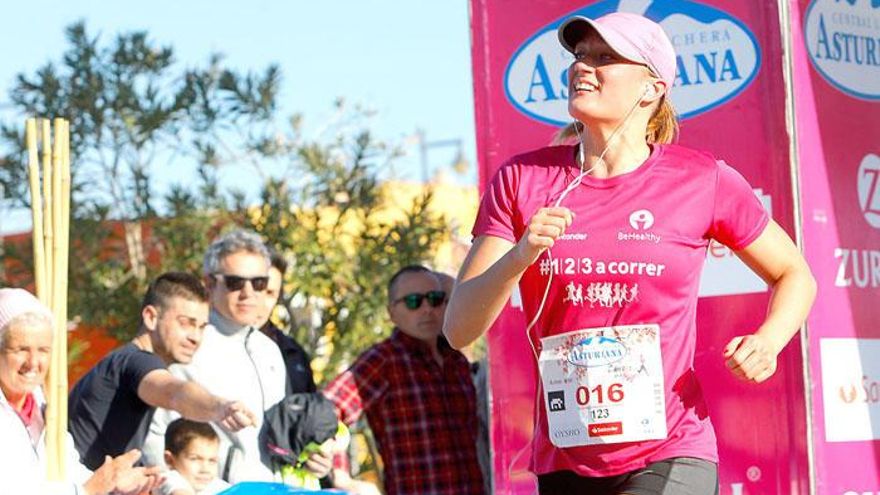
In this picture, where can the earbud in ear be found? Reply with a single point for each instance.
(649, 90)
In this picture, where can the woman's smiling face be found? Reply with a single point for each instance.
(603, 86)
(25, 351)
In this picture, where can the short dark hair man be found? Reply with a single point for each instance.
(417, 394)
(111, 407)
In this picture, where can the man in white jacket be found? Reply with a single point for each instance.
(235, 358)
(25, 348)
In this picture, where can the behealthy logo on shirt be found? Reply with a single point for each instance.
(641, 221)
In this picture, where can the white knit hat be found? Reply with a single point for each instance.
(16, 302)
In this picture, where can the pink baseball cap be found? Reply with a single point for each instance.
(16, 302)
(632, 36)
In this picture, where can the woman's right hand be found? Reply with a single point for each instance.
(119, 476)
(547, 225)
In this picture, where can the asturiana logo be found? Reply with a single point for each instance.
(717, 58)
(596, 351)
(843, 40)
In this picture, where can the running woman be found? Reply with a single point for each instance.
(606, 239)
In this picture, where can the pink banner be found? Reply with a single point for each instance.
(730, 92)
(837, 96)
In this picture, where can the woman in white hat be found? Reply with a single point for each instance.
(606, 239)
(25, 349)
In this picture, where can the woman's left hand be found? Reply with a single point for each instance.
(751, 357)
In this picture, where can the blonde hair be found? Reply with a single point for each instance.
(662, 127)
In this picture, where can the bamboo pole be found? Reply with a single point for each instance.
(36, 206)
(52, 150)
(51, 214)
(46, 294)
(64, 232)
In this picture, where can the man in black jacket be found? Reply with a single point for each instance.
(299, 370)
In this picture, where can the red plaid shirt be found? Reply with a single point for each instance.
(423, 415)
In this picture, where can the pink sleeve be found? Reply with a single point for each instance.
(497, 208)
(738, 217)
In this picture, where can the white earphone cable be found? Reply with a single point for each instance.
(571, 186)
(576, 182)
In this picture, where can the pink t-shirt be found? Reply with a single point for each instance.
(636, 247)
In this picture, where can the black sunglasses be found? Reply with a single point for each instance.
(413, 301)
(235, 283)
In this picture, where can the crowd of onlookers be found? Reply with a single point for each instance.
(210, 393)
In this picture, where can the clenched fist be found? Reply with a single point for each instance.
(544, 228)
(751, 357)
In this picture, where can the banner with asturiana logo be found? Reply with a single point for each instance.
(837, 97)
(731, 96)
(843, 42)
(718, 56)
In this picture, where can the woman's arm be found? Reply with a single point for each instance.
(491, 269)
(776, 259)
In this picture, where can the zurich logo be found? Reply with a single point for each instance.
(843, 40)
(718, 57)
(596, 351)
(869, 189)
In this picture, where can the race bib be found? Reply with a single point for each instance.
(604, 385)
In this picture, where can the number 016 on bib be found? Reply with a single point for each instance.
(604, 385)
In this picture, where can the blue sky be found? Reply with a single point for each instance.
(407, 60)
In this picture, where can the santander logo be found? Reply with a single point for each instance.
(868, 391)
(848, 394)
(717, 58)
(841, 39)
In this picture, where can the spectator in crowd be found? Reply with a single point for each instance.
(480, 376)
(417, 395)
(112, 405)
(296, 361)
(25, 348)
(235, 358)
(191, 450)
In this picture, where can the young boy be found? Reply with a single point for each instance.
(191, 455)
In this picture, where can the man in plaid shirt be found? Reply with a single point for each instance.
(417, 394)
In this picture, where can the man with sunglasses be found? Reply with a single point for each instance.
(112, 405)
(417, 395)
(236, 359)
